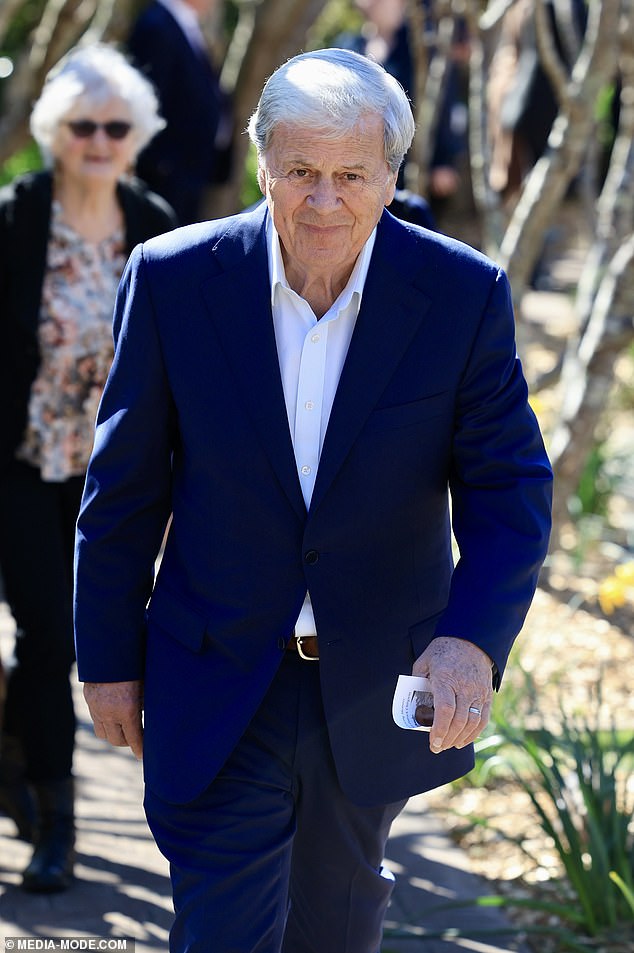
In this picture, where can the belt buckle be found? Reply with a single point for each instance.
(308, 658)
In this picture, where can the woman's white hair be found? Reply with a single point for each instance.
(94, 75)
(330, 90)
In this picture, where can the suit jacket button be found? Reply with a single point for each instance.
(281, 643)
(311, 557)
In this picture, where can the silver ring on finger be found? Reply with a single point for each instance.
(475, 711)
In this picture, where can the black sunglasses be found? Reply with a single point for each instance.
(85, 128)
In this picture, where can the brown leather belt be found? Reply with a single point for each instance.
(306, 646)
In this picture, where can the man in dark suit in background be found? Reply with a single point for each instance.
(193, 150)
(301, 387)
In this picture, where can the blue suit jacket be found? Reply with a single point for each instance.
(193, 423)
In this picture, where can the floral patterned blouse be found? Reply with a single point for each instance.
(76, 349)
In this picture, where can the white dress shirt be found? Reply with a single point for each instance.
(188, 21)
(311, 353)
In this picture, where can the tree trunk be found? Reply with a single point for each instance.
(605, 300)
(573, 128)
(265, 37)
(587, 379)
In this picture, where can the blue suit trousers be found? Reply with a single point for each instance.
(273, 857)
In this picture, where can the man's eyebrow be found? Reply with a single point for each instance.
(301, 160)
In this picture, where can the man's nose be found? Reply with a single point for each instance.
(324, 195)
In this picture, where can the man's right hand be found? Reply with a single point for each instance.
(115, 709)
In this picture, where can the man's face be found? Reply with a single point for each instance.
(325, 195)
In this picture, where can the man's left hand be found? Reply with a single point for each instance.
(462, 685)
(116, 711)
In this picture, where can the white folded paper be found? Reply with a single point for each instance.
(411, 691)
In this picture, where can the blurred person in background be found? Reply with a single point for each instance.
(385, 38)
(193, 151)
(521, 101)
(65, 235)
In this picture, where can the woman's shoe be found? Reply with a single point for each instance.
(17, 803)
(51, 866)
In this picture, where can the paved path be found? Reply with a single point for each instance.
(123, 891)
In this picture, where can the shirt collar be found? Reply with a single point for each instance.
(277, 273)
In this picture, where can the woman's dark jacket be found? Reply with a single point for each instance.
(25, 217)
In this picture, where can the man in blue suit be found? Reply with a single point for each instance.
(193, 151)
(301, 388)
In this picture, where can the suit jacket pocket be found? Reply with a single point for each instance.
(405, 415)
(423, 632)
(178, 619)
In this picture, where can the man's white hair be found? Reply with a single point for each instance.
(330, 91)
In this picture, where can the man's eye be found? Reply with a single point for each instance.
(300, 173)
(352, 177)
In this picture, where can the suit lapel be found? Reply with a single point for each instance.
(239, 300)
(391, 313)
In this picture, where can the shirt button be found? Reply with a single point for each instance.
(311, 557)
(315, 338)
(305, 470)
(309, 405)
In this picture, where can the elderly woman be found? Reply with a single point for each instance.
(65, 235)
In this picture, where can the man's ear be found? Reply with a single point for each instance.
(262, 179)
(391, 189)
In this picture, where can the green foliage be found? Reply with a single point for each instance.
(576, 780)
(338, 16)
(605, 115)
(576, 777)
(595, 486)
(625, 890)
(604, 473)
(575, 772)
(250, 192)
(26, 18)
(27, 160)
